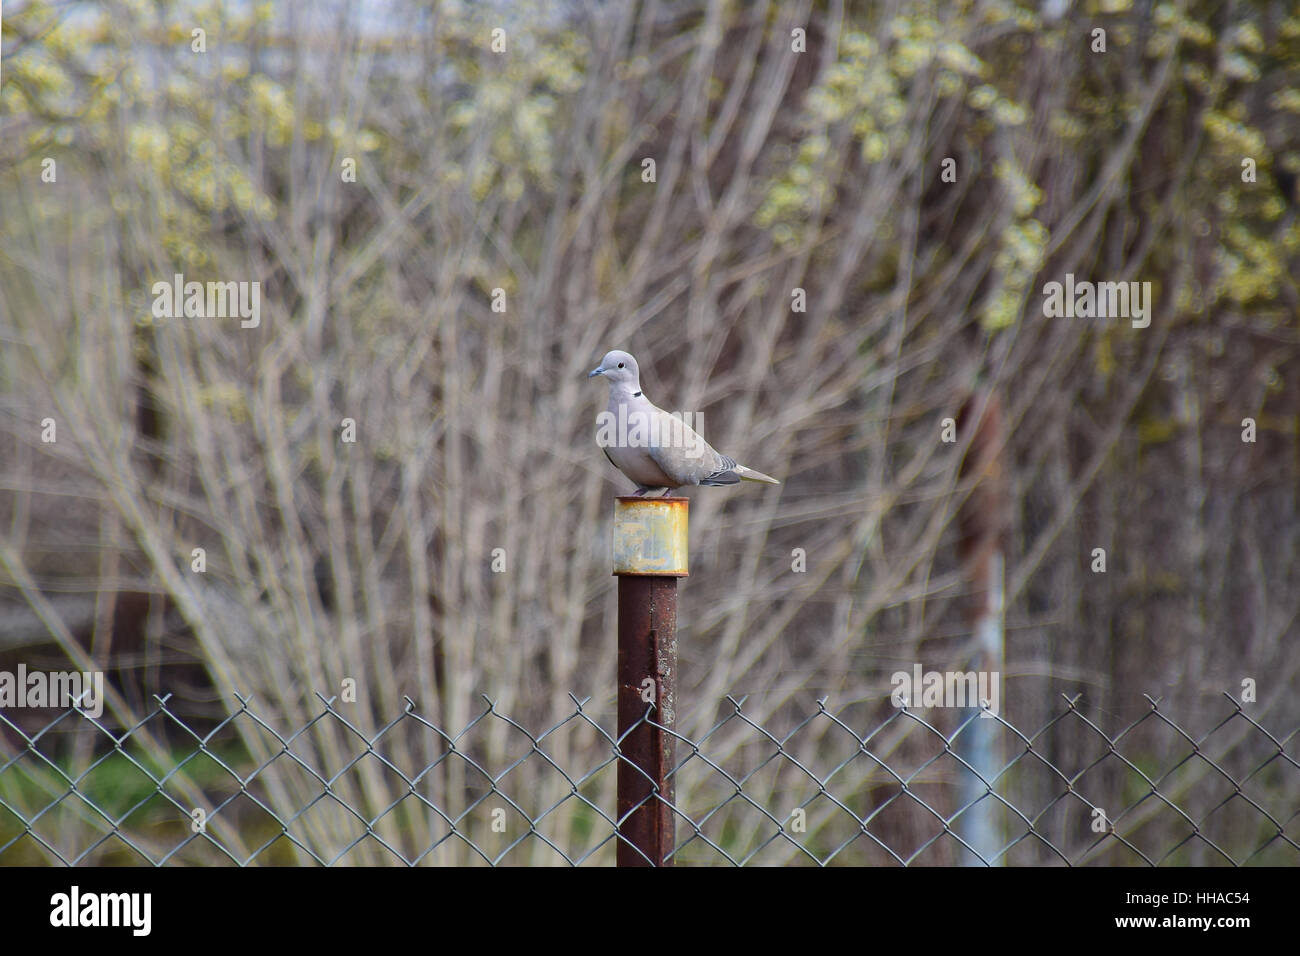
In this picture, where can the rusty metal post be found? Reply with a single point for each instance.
(650, 554)
(983, 525)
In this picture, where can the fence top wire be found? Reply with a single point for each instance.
(78, 790)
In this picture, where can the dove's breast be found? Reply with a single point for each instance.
(628, 446)
(637, 464)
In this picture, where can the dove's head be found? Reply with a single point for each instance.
(620, 368)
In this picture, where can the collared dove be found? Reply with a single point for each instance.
(650, 446)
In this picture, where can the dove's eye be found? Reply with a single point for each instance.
(620, 364)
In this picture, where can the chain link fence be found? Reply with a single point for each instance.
(76, 791)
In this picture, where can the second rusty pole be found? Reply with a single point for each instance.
(650, 554)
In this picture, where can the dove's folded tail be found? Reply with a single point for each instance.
(749, 474)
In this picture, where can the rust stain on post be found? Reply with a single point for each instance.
(649, 555)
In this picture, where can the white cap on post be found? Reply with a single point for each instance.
(651, 536)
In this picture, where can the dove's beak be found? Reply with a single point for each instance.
(595, 371)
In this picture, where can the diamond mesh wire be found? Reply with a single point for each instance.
(820, 792)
